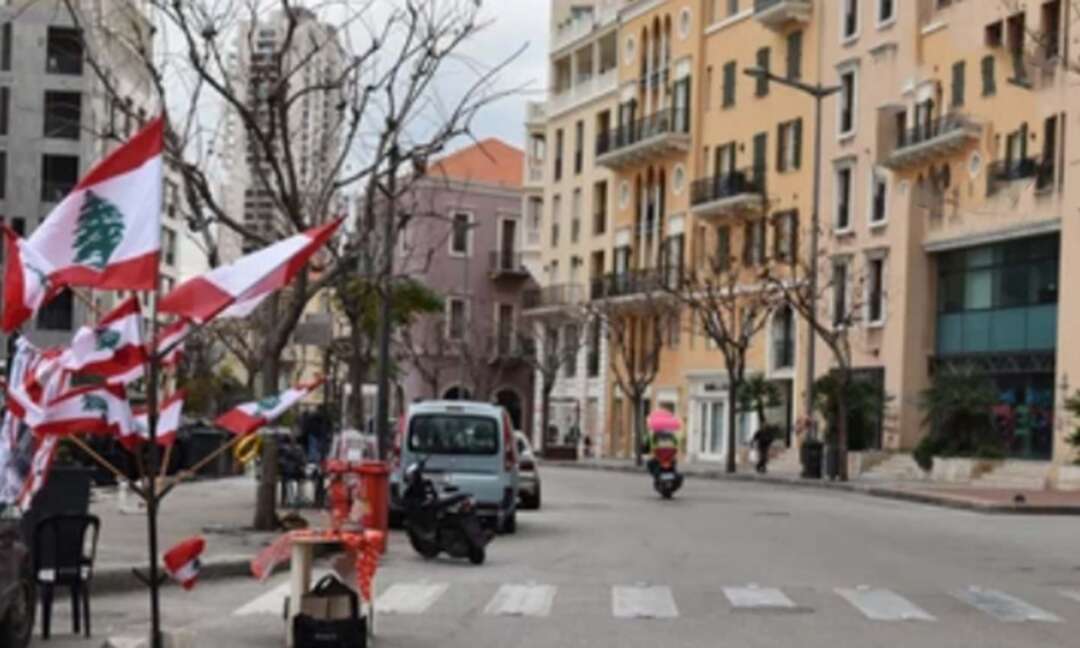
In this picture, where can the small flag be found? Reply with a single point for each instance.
(182, 562)
(26, 281)
(95, 409)
(245, 419)
(171, 342)
(235, 290)
(113, 349)
(167, 425)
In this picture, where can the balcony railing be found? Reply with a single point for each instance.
(931, 130)
(716, 189)
(1005, 171)
(587, 90)
(535, 171)
(555, 296)
(507, 263)
(636, 282)
(930, 139)
(777, 13)
(506, 346)
(573, 30)
(663, 130)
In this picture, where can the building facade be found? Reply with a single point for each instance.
(463, 240)
(943, 214)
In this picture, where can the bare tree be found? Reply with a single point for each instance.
(732, 303)
(372, 78)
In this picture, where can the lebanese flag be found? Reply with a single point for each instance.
(106, 233)
(40, 466)
(167, 424)
(113, 349)
(40, 380)
(235, 290)
(170, 342)
(245, 419)
(95, 409)
(182, 562)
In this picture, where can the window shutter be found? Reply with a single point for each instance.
(729, 83)
(794, 55)
(748, 244)
(797, 155)
(1023, 140)
(762, 63)
(778, 236)
(958, 84)
(781, 163)
(793, 217)
(988, 81)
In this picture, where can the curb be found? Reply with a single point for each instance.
(848, 487)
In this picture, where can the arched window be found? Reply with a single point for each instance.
(783, 339)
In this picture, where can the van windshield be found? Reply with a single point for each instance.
(447, 434)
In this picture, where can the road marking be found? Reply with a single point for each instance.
(1003, 607)
(415, 598)
(272, 603)
(522, 600)
(753, 597)
(1071, 594)
(643, 602)
(883, 605)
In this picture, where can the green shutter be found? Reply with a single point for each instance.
(989, 84)
(794, 55)
(797, 157)
(729, 84)
(780, 162)
(958, 83)
(762, 87)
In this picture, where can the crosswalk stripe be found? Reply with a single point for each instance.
(753, 597)
(409, 598)
(522, 600)
(1004, 607)
(883, 605)
(1071, 594)
(643, 602)
(272, 602)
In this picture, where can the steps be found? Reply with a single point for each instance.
(899, 466)
(1016, 474)
(786, 462)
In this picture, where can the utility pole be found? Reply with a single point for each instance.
(382, 395)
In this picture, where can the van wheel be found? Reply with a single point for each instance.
(510, 523)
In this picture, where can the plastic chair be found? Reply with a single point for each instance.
(62, 557)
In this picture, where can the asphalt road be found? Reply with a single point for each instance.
(607, 563)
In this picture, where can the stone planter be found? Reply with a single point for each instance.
(960, 470)
(1068, 478)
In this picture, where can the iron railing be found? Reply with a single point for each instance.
(507, 262)
(729, 185)
(556, 295)
(930, 129)
(664, 122)
(636, 282)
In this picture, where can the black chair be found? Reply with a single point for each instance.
(64, 558)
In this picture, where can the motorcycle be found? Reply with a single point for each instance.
(438, 522)
(666, 478)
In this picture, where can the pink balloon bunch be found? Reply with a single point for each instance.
(663, 421)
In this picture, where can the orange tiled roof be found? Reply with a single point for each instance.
(491, 161)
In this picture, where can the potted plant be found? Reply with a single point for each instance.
(863, 400)
(958, 412)
(756, 394)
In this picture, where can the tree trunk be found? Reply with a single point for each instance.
(637, 423)
(356, 378)
(545, 415)
(266, 494)
(729, 459)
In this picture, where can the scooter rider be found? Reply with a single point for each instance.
(660, 439)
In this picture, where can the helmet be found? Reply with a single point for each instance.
(413, 472)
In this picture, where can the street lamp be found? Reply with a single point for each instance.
(819, 93)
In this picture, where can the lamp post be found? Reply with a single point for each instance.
(819, 93)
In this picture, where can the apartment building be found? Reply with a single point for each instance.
(56, 121)
(569, 198)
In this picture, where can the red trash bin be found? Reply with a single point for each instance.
(375, 487)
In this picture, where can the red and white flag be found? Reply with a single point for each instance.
(40, 379)
(167, 424)
(245, 419)
(182, 562)
(106, 233)
(95, 409)
(113, 349)
(40, 465)
(171, 342)
(235, 290)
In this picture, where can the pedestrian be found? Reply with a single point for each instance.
(761, 441)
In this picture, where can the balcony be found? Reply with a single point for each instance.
(553, 298)
(572, 31)
(535, 113)
(932, 140)
(779, 14)
(534, 172)
(584, 91)
(636, 283)
(508, 348)
(507, 264)
(657, 135)
(1003, 172)
(734, 193)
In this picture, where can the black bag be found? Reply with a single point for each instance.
(309, 632)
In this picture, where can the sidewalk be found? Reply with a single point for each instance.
(980, 500)
(221, 510)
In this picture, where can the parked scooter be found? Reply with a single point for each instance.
(665, 449)
(444, 521)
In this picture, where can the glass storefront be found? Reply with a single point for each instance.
(997, 313)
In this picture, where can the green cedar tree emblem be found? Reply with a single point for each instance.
(91, 403)
(268, 403)
(99, 229)
(106, 339)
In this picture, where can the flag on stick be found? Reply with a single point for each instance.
(113, 349)
(95, 409)
(245, 419)
(167, 424)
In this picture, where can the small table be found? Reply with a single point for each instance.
(303, 556)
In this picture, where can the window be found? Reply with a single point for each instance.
(3, 174)
(556, 217)
(570, 339)
(850, 16)
(794, 55)
(168, 246)
(592, 365)
(59, 175)
(5, 47)
(722, 263)
(732, 7)
(63, 115)
(789, 146)
(729, 84)
(600, 208)
(1045, 176)
(875, 298)
(848, 88)
(840, 292)
(842, 221)
(958, 84)
(453, 434)
(456, 318)
(754, 243)
(58, 314)
(994, 34)
(575, 216)
(785, 236)
(761, 145)
(579, 147)
(558, 154)
(879, 188)
(989, 82)
(5, 108)
(18, 225)
(64, 51)
(761, 87)
(783, 338)
(460, 234)
(886, 12)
